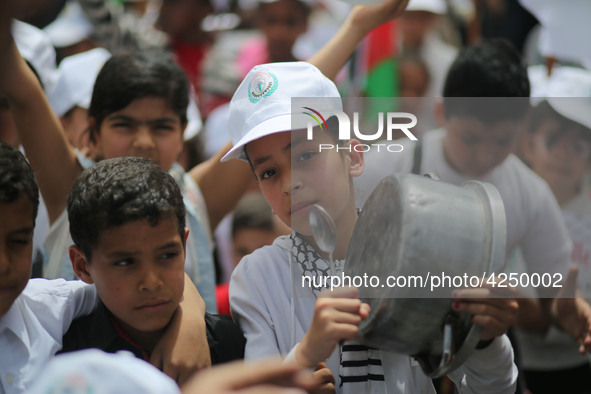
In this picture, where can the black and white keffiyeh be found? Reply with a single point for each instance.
(361, 369)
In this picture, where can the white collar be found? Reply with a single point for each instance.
(14, 321)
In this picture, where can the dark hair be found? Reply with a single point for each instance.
(252, 211)
(117, 191)
(127, 77)
(491, 69)
(16, 177)
(304, 6)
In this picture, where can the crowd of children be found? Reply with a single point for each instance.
(131, 256)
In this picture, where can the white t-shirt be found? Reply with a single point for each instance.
(274, 312)
(534, 221)
(32, 329)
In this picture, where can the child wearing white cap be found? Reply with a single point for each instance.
(557, 147)
(277, 315)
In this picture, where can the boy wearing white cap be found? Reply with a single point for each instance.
(277, 315)
(557, 147)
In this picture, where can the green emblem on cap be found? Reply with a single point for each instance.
(263, 84)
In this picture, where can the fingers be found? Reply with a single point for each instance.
(494, 315)
(323, 374)
(340, 313)
(569, 285)
(340, 292)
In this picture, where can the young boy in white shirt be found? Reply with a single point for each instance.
(35, 314)
(279, 316)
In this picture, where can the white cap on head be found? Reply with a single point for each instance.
(70, 27)
(433, 6)
(564, 26)
(262, 103)
(76, 76)
(194, 121)
(35, 47)
(567, 90)
(94, 371)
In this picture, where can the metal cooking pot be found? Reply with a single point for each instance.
(412, 225)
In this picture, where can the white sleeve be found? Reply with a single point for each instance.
(251, 311)
(58, 302)
(489, 370)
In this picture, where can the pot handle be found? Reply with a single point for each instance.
(447, 354)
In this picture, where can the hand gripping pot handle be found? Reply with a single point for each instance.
(415, 226)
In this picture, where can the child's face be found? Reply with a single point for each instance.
(293, 175)
(147, 127)
(414, 26)
(138, 270)
(560, 156)
(413, 80)
(282, 22)
(16, 249)
(182, 18)
(474, 148)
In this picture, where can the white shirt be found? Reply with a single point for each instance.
(534, 221)
(263, 291)
(31, 331)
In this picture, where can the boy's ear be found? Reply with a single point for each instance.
(80, 264)
(357, 163)
(186, 236)
(94, 134)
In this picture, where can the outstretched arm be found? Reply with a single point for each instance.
(333, 56)
(222, 184)
(40, 132)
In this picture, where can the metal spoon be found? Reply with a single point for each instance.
(324, 232)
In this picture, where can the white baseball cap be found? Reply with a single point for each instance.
(262, 103)
(567, 90)
(75, 81)
(35, 47)
(564, 26)
(94, 371)
(70, 27)
(434, 6)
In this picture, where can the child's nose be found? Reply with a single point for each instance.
(143, 138)
(150, 280)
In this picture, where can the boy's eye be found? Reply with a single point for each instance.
(121, 125)
(20, 241)
(123, 263)
(266, 174)
(169, 255)
(306, 156)
(163, 127)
